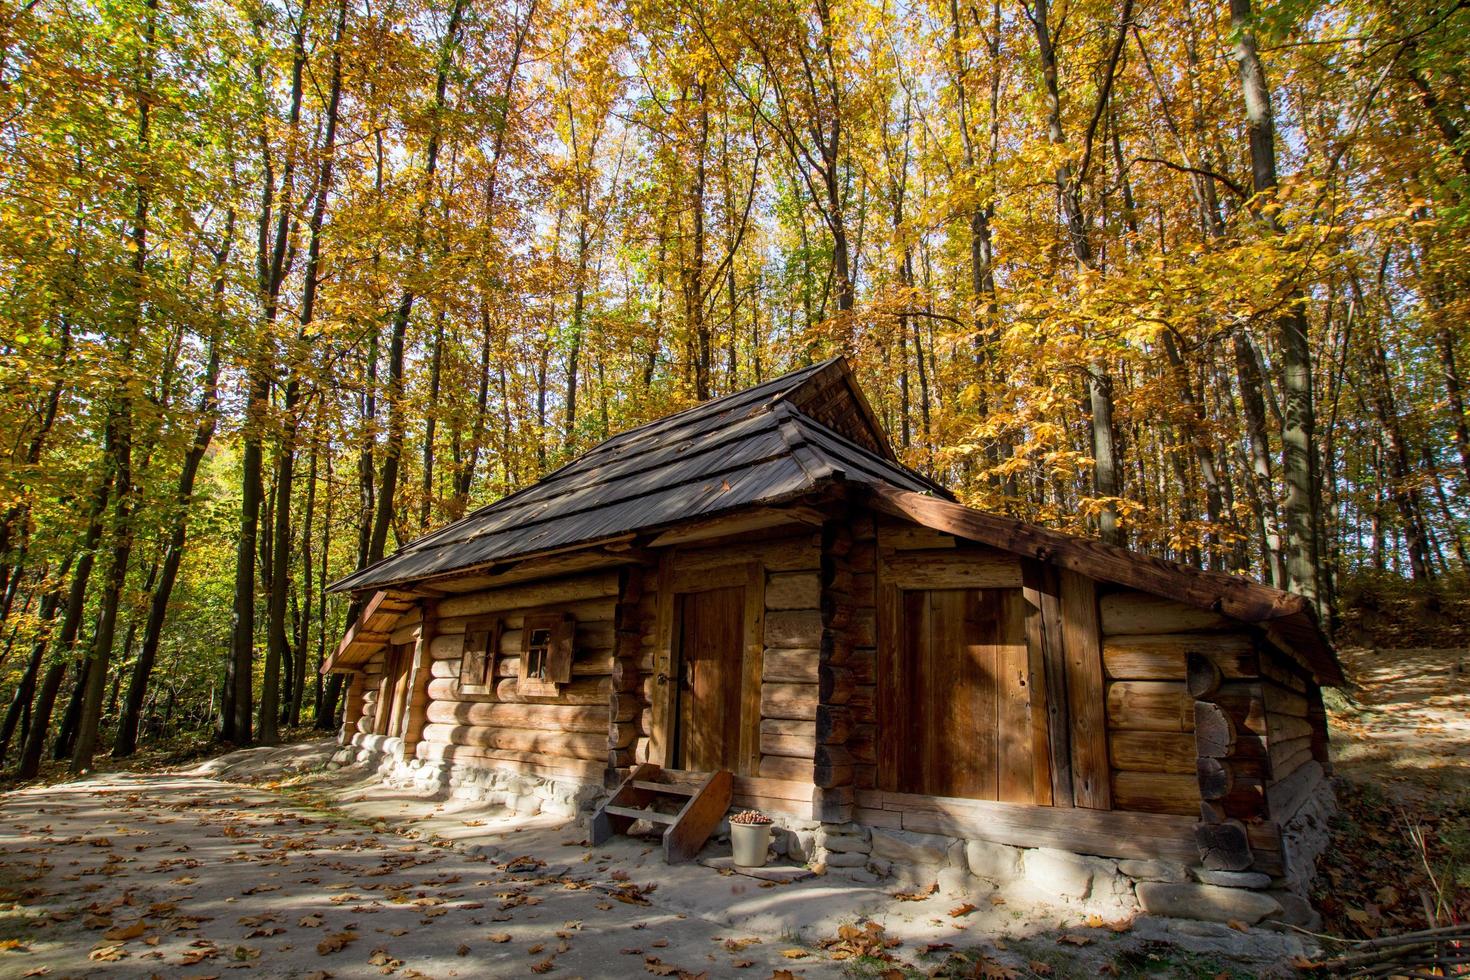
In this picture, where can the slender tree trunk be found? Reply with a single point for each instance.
(25, 691)
(393, 451)
(1107, 476)
(126, 742)
(119, 434)
(1298, 431)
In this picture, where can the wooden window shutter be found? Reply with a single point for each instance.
(559, 663)
(546, 654)
(477, 661)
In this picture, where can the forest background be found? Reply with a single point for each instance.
(288, 282)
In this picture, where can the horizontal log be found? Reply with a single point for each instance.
(1156, 706)
(832, 766)
(547, 717)
(864, 665)
(532, 595)
(789, 701)
(793, 629)
(1283, 701)
(1276, 668)
(798, 552)
(863, 744)
(789, 746)
(587, 611)
(1108, 833)
(863, 630)
(586, 663)
(1216, 778)
(1287, 757)
(531, 763)
(834, 684)
(832, 723)
(784, 768)
(1156, 792)
(793, 590)
(621, 735)
(1202, 677)
(1165, 706)
(864, 589)
(1161, 657)
(626, 706)
(910, 537)
(786, 726)
(797, 666)
(953, 569)
(1152, 751)
(570, 745)
(1138, 613)
(1287, 796)
(584, 691)
(1285, 727)
(1224, 846)
(1215, 733)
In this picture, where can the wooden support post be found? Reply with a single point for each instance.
(418, 682)
(1086, 704)
(833, 794)
(624, 710)
(1044, 641)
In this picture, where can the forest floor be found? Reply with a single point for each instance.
(262, 862)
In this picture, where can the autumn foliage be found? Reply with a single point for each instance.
(287, 283)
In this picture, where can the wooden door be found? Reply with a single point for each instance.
(962, 711)
(711, 636)
(393, 694)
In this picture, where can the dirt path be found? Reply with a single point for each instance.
(1409, 722)
(182, 876)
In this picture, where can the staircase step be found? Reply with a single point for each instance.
(653, 816)
(675, 789)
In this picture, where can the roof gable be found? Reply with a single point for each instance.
(753, 447)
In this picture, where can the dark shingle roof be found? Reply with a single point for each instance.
(747, 448)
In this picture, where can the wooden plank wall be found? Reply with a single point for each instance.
(779, 774)
(562, 736)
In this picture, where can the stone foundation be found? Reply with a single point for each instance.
(1092, 884)
(521, 793)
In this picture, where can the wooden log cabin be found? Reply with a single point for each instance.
(757, 587)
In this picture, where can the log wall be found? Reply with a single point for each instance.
(563, 736)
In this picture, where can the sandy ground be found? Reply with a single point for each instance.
(1409, 722)
(292, 871)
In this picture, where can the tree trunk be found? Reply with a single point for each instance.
(1298, 431)
(393, 451)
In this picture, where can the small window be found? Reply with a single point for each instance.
(546, 654)
(477, 662)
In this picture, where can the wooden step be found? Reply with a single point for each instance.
(680, 789)
(652, 816)
(685, 832)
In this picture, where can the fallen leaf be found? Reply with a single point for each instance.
(545, 966)
(1074, 938)
(499, 937)
(336, 942)
(794, 954)
(961, 910)
(919, 895)
(131, 931)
